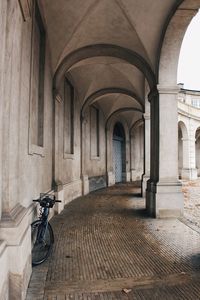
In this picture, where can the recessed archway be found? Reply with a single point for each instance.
(119, 152)
(182, 148)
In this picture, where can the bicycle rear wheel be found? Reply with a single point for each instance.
(41, 246)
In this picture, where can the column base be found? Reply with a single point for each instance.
(189, 174)
(145, 178)
(85, 184)
(15, 253)
(136, 175)
(110, 178)
(59, 193)
(164, 199)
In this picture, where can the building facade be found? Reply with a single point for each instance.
(188, 133)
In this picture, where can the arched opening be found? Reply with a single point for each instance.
(182, 151)
(119, 152)
(197, 149)
(189, 64)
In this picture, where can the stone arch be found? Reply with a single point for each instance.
(112, 90)
(138, 123)
(184, 130)
(118, 111)
(171, 41)
(107, 50)
(104, 50)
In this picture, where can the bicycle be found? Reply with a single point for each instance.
(42, 236)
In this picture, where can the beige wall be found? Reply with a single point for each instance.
(94, 166)
(24, 174)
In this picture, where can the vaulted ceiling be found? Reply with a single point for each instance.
(135, 26)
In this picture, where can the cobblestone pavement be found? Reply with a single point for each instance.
(191, 190)
(107, 248)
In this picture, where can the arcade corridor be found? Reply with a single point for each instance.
(88, 99)
(106, 243)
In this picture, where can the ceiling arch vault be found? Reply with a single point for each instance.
(108, 50)
(112, 90)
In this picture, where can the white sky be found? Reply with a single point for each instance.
(189, 60)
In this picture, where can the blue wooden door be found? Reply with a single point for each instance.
(117, 160)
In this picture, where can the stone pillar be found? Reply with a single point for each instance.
(11, 96)
(137, 152)
(164, 191)
(84, 176)
(59, 193)
(189, 171)
(146, 174)
(3, 20)
(15, 219)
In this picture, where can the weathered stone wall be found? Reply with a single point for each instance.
(24, 173)
(94, 165)
(67, 165)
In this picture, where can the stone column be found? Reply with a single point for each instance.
(164, 192)
(11, 97)
(84, 176)
(3, 19)
(146, 174)
(189, 171)
(137, 152)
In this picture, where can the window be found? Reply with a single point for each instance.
(94, 125)
(68, 118)
(196, 103)
(37, 85)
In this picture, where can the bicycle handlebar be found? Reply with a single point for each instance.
(39, 200)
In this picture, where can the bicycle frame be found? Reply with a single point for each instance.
(43, 243)
(43, 226)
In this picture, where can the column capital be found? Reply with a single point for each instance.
(146, 116)
(168, 89)
(152, 94)
(188, 139)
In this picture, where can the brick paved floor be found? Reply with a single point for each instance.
(104, 243)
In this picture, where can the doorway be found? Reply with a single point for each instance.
(119, 159)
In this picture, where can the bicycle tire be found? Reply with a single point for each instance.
(41, 249)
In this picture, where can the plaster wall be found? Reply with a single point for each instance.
(67, 164)
(94, 166)
(24, 173)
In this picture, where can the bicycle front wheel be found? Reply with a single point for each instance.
(42, 242)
